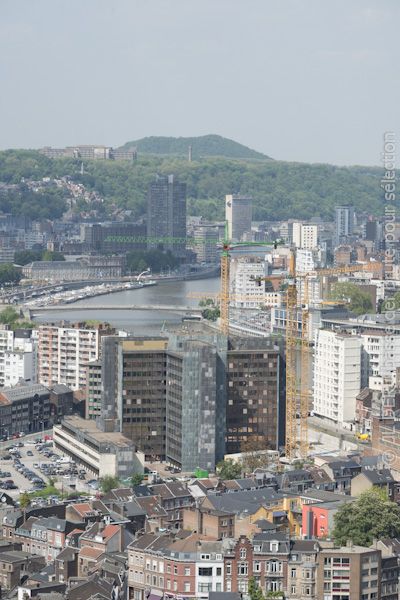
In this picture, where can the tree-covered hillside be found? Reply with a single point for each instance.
(202, 146)
(280, 190)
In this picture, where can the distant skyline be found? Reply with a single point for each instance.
(299, 80)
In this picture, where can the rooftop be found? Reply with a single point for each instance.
(89, 429)
(22, 391)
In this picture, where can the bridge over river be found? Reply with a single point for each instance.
(36, 310)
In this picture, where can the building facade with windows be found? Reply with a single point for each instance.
(64, 352)
(337, 375)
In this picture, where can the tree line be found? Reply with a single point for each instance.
(280, 190)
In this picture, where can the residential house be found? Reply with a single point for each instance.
(15, 565)
(107, 538)
(342, 472)
(369, 478)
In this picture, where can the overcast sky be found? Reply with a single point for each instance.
(303, 80)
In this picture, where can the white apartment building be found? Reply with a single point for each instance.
(21, 364)
(380, 353)
(18, 356)
(337, 375)
(247, 291)
(306, 260)
(305, 235)
(63, 353)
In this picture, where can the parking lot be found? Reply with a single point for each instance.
(32, 465)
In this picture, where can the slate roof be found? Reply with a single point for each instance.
(378, 477)
(152, 507)
(244, 500)
(173, 489)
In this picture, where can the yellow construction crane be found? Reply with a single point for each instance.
(227, 246)
(297, 442)
(305, 353)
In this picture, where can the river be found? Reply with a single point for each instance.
(138, 321)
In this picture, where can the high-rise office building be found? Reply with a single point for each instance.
(256, 394)
(166, 215)
(196, 401)
(169, 396)
(344, 222)
(134, 391)
(238, 214)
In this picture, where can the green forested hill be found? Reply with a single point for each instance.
(202, 146)
(280, 190)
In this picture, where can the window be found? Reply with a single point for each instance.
(187, 586)
(204, 587)
(187, 571)
(293, 573)
(242, 569)
(204, 556)
(257, 567)
(243, 553)
(293, 589)
(219, 571)
(168, 568)
(274, 586)
(228, 585)
(175, 570)
(205, 571)
(274, 546)
(175, 586)
(274, 566)
(229, 568)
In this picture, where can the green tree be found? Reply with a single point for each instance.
(52, 255)
(255, 591)
(136, 479)
(24, 500)
(108, 483)
(24, 257)
(253, 457)
(9, 274)
(359, 301)
(228, 469)
(9, 316)
(371, 516)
